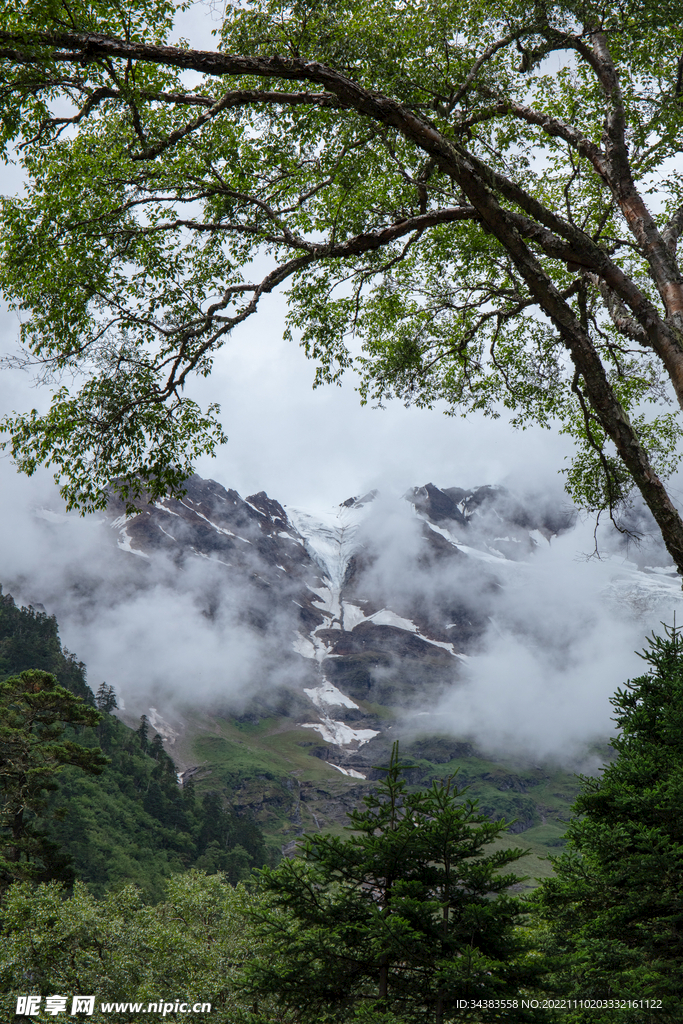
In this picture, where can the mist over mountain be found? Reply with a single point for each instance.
(469, 613)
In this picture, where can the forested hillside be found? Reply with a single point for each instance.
(30, 639)
(132, 823)
(349, 925)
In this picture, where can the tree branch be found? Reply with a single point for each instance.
(672, 231)
(625, 324)
(486, 55)
(238, 98)
(366, 241)
(555, 129)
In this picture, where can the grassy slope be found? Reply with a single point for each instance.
(272, 769)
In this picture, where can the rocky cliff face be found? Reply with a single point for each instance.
(371, 632)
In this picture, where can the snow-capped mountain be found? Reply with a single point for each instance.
(371, 605)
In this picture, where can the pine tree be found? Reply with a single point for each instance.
(143, 732)
(614, 909)
(105, 698)
(34, 711)
(403, 920)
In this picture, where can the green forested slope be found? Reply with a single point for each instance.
(133, 823)
(30, 639)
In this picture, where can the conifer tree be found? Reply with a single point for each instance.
(407, 919)
(105, 698)
(615, 906)
(34, 712)
(143, 732)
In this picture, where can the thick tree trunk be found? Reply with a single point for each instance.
(618, 427)
(604, 402)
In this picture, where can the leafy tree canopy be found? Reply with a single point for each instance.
(614, 907)
(456, 196)
(188, 948)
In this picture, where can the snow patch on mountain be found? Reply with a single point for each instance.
(125, 545)
(328, 601)
(644, 592)
(341, 734)
(310, 646)
(329, 537)
(353, 616)
(163, 505)
(160, 725)
(328, 694)
(348, 771)
(214, 526)
(303, 645)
